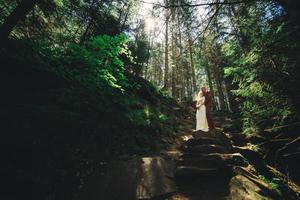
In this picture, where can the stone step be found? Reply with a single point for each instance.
(198, 134)
(201, 162)
(206, 148)
(229, 158)
(202, 140)
(192, 155)
(190, 172)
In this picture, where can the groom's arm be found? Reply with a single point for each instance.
(208, 99)
(200, 103)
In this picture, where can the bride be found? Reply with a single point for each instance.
(201, 120)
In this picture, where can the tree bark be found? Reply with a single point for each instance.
(208, 74)
(166, 77)
(219, 87)
(192, 65)
(180, 75)
(126, 17)
(174, 82)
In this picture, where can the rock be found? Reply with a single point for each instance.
(207, 148)
(231, 127)
(251, 155)
(228, 158)
(155, 179)
(256, 139)
(291, 162)
(202, 162)
(210, 134)
(189, 172)
(191, 155)
(253, 184)
(202, 141)
(242, 188)
(237, 138)
(138, 178)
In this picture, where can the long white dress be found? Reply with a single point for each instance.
(201, 120)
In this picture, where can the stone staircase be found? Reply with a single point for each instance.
(203, 169)
(199, 166)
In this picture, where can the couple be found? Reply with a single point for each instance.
(204, 120)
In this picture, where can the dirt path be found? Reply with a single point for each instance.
(199, 166)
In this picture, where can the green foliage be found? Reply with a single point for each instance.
(275, 184)
(59, 3)
(64, 21)
(98, 68)
(97, 61)
(262, 107)
(140, 50)
(259, 69)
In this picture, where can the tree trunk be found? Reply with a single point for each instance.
(18, 14)
(232, 103)
(187, 78)
(194, 87)
(208, 74)
(237, 31)
(150, 58)
(126, 17)
(210, 84)
(180, 76)
(219, 87)
(166, 77)
(174, 83)
(84, 35)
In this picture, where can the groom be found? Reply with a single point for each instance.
(208, 104)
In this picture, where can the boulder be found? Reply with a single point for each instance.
(138, 178)
(242, 188)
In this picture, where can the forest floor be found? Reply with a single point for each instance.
(197, 166)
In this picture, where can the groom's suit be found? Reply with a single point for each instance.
(208, 105)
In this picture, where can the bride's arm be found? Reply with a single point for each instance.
(200, 102)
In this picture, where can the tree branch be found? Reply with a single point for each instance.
(205, 29)
(195, 5)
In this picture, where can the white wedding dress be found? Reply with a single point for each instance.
(201, 121)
